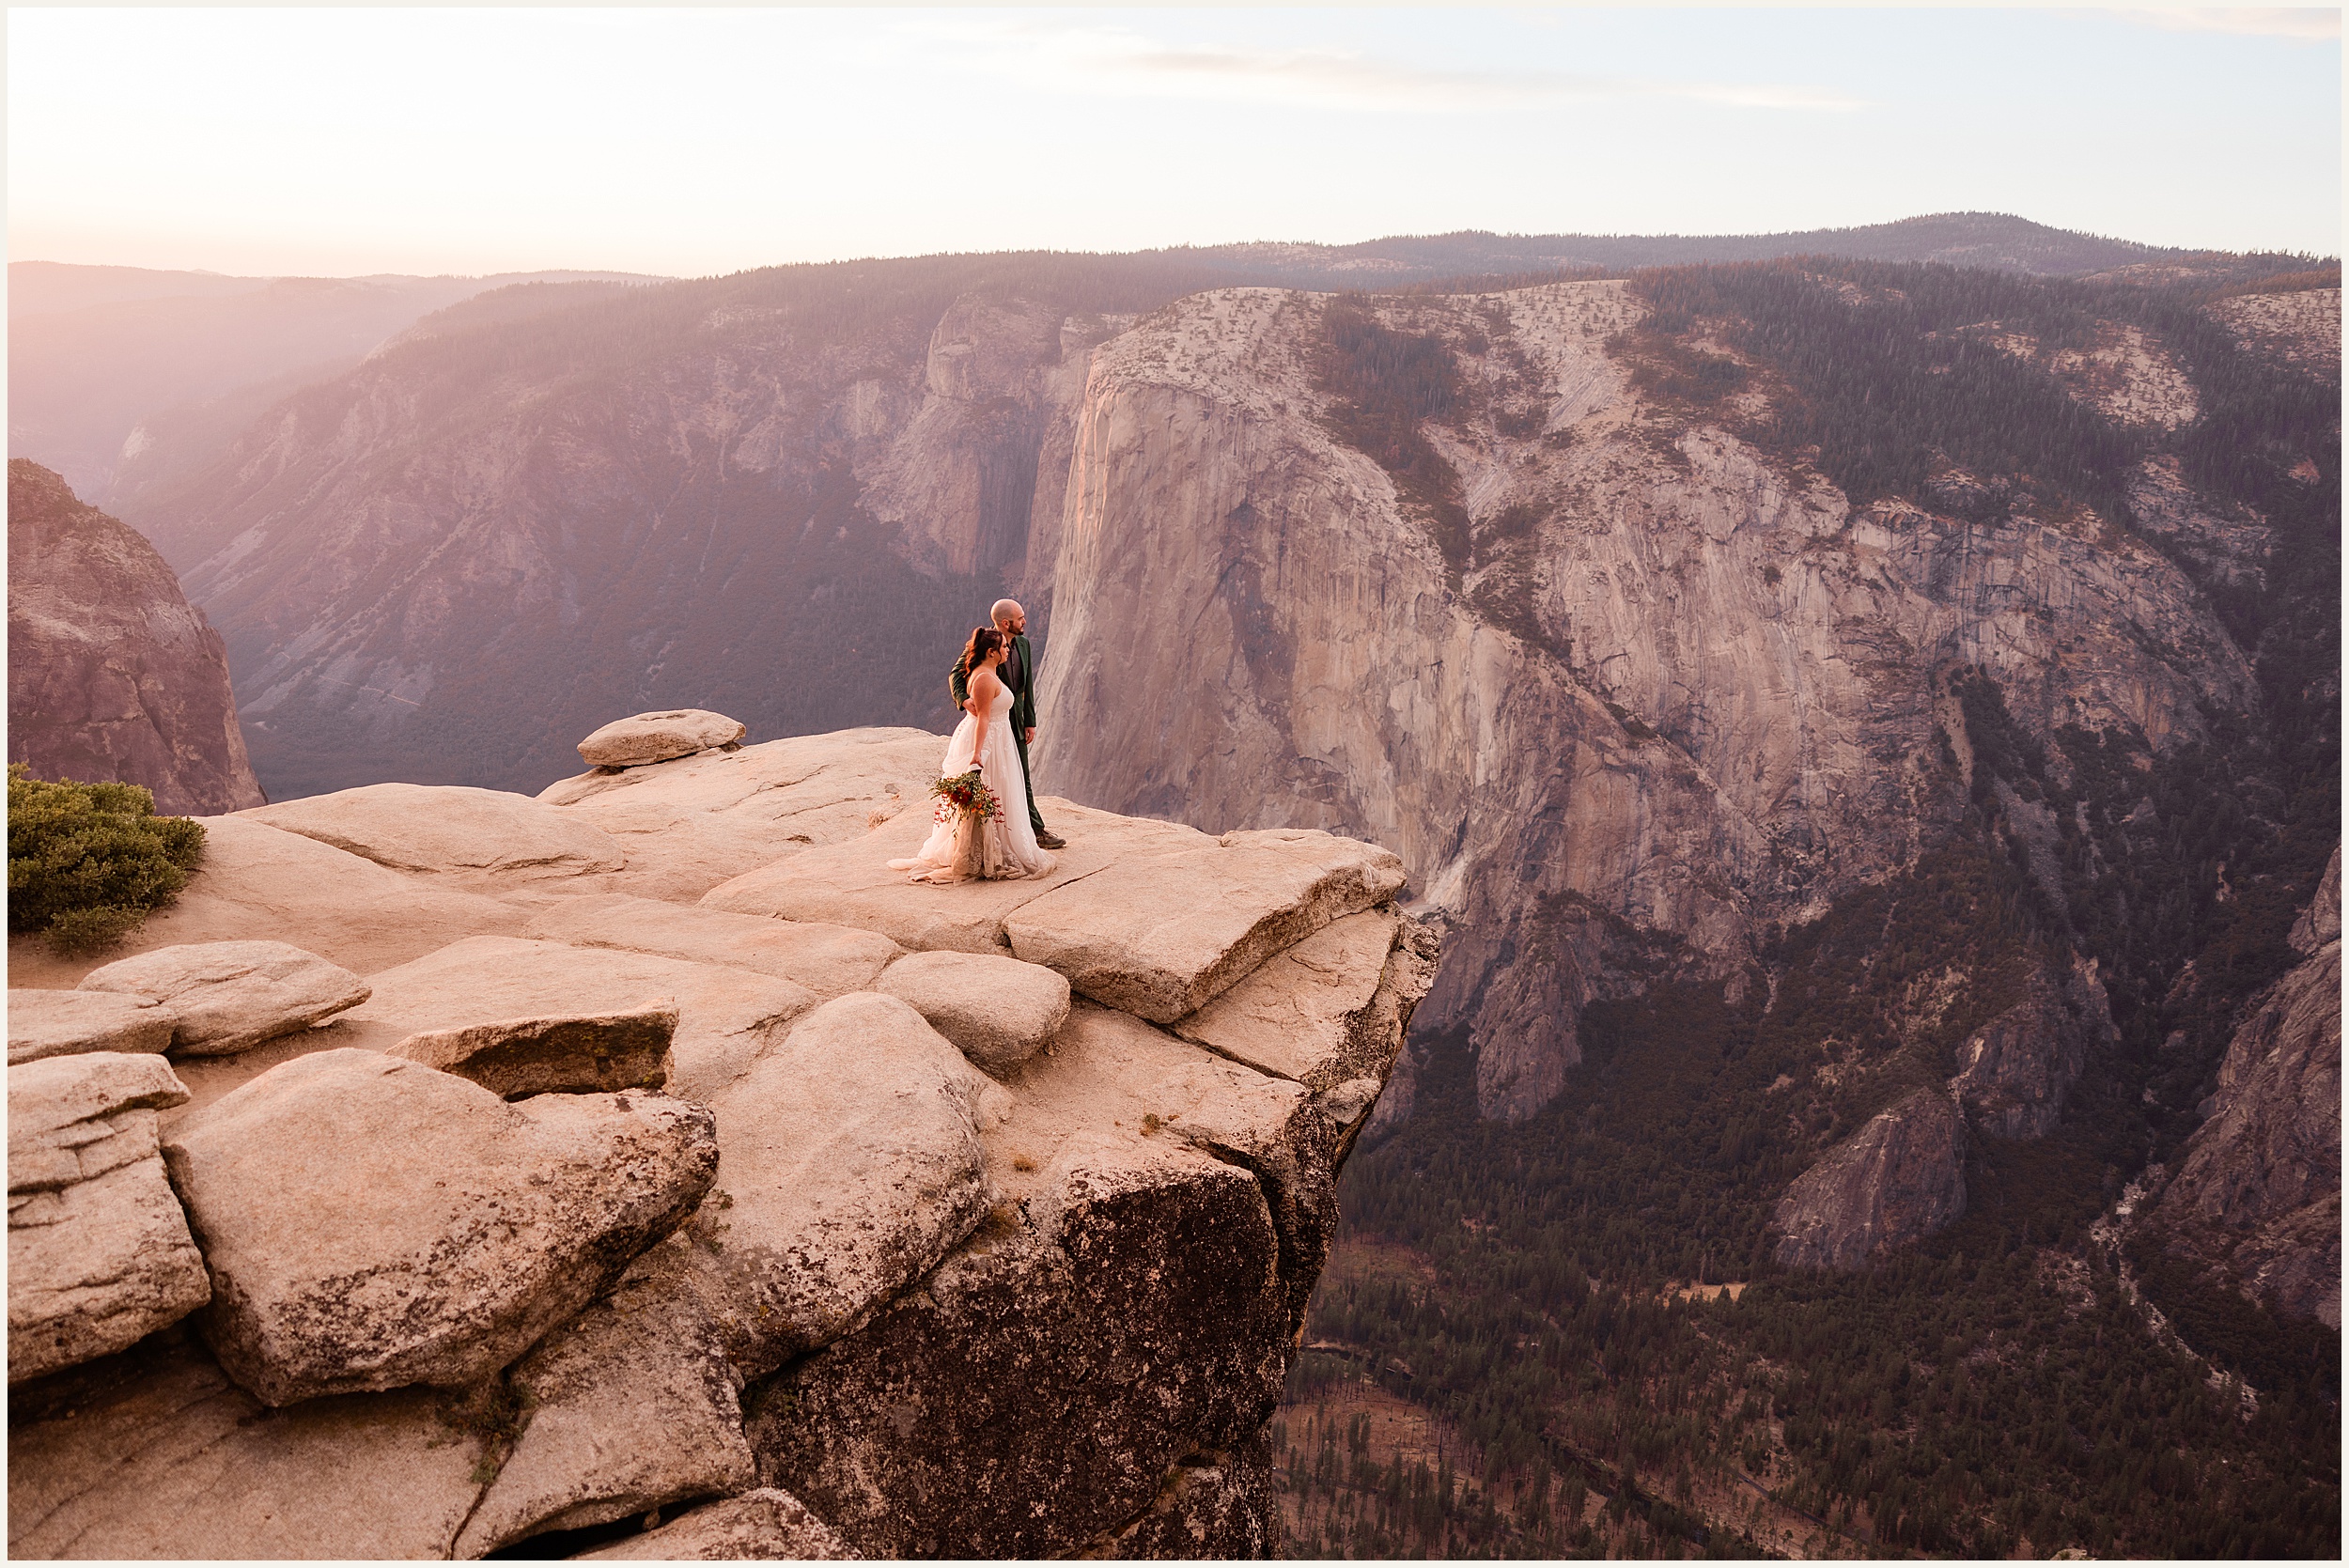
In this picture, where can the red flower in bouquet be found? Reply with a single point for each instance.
(968, 794)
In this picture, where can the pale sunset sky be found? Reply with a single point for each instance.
(327, 141)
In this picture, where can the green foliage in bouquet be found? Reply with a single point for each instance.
(87, 861)
(969, 794)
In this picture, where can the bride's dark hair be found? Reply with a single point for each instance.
(983, 642)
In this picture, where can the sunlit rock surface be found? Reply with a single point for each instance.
(954, 1261)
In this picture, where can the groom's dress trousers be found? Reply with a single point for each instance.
(1017, 672)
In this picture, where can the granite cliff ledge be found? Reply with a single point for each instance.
(683, 1183)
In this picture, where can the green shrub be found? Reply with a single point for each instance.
(87, 861)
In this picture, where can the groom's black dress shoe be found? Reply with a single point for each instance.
(1051, 840)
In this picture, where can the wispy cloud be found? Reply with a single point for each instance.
(2306, 22)
(1112, 61)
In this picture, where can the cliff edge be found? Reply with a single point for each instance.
(646, 1170)
(112, 673)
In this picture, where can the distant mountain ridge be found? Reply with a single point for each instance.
(1997, 240)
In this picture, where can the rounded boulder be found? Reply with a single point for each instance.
(998, 1012)
(645, 738)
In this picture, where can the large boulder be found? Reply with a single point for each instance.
(63, 1023)
(725, 1017)
(631, 1406)
(851, 1163)
(998, 1012)
(169, 1459)
(260, 883)
(1331, 1010)
(766, 1525)
(575, 1053)
(99, 1250)
(484, 837)
(230, 997)
(828, 961)
(658, 737)
(1159, 935)
(370, 1223)
(1898, 1179)
(850, 883)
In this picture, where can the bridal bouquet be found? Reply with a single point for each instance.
(968, 794)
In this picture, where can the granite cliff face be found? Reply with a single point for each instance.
(112, 673)
(1677, 690)
(564, 1179)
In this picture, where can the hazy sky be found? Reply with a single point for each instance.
(343, 141)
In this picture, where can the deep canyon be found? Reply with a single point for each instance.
(1867, 729)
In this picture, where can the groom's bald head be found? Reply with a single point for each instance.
(1006, 612)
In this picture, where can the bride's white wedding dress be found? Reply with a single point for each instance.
(1004, 846)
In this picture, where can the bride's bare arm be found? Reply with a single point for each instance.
(984, 685)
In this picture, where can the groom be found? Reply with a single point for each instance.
(1019, 674)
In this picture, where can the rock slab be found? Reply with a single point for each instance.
(998, 1012)
(99, 1250)
(371, 1224)
(1159, 937)
(481, 836)
(61, 1024)
(229, 996)
(1899, 1178)
(172, 1461)
(1328, 1010)
(576, 1053)
(658, 737)
(828, 961)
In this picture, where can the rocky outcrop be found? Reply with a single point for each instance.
(112, 673)
(866, 1296)
(2014, 1072)
(1899, 1178)
(2300, 329)
(2257, 1198)
(99, 1251)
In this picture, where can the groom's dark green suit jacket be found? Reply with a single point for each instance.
(1018, 671)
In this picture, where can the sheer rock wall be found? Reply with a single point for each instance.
(112, 673)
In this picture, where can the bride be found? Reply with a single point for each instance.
(1006, 845)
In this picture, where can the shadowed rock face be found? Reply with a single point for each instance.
(112, 673)
(2257, 1198)
(1899, 1178)
(835, 1291)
